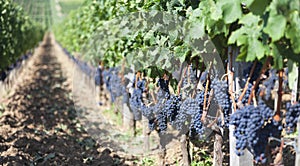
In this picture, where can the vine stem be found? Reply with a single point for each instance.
(279, 92)
(137, 77)
(189, 73)
(247, 83)
(230, 81)
(279, 157)
(205, 94)
(181, 80)
(205, 109)
(207, 85)
(123, 70)
(263, 70)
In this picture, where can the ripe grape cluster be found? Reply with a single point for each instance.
(188, 106)
(172, 107)
(196, 126)
(247, 94)
(155, 115)
(271, 129)
(152, 124)
(251, 131)
(164, 85)
(115, 84)
(189, 115)
(161, 118)
(136, 99)
(159, 109)
(222, 97)
(269, 83)
(292, 116)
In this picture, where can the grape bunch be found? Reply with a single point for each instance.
(155, 114)
(182, 115)
(196, 126)
(247, 94)
(116, 85)
(222, 97)
(266, 112)
(187, 107)
(136, 99)
(269, 83)
(171, 107)
(190, 78)
(161, 118)
(152, 124)
(164, 85)
(147, 111)
(292, 116)
(189, 115)
(251, 131)
(259, 144)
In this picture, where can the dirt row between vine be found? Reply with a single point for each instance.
(40, 126)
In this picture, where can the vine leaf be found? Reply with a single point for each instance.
(293, 31)
(258, 7)
(255, 50)
(231, 10)
(292, 75)
(275, 26)
(180, 52)
(197, 29)
(277, 57)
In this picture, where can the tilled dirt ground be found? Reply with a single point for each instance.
(39, 125)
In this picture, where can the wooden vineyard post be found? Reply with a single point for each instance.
(146, 135)
(297, 163)
(128, 121)
(185, 154)
(247, 158)
(218, 155)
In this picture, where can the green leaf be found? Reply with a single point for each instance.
(258, 7)
(243, 54)
(180, 52)
(277, 57)
(286, 50)
(255, 50)
(235, 35)
(275, 26)
(250, 29)
(293, 31)
(197, 29)
(249, 20)
(293, 73)
(231, 10)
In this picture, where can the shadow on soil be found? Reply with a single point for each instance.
(39, 126)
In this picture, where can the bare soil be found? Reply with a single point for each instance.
(39, 125)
